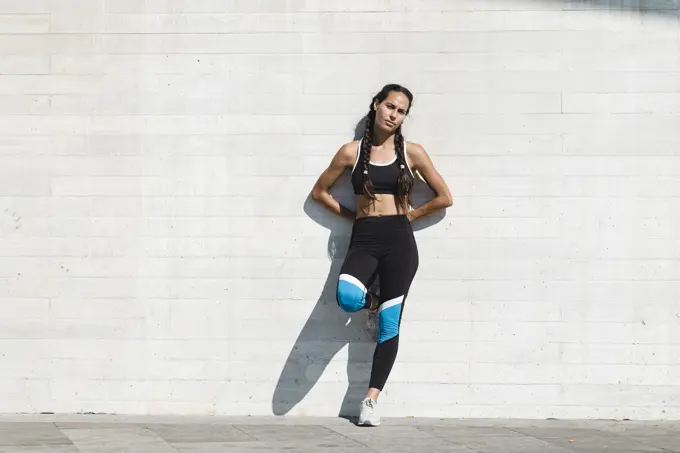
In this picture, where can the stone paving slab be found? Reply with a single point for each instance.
(585, 440)
(665, 435)
(220, 447)
(191, 432)
(124, 439)
(173, 434)
(400, 438)
(31, 434)
(40, 449)
(489, 439)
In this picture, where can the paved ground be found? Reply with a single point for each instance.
(120, 434)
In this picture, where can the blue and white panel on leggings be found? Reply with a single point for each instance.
(351, 293)
(388, 318)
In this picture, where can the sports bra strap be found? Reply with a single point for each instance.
(356, 161)
(406, 159)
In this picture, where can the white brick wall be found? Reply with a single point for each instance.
(158, 253)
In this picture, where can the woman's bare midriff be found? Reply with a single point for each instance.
(383, 205)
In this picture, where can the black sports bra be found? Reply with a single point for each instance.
(385, 177)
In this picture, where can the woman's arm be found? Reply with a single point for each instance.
(343, 158)
(423, 164)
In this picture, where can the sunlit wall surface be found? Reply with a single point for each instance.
(159, 252)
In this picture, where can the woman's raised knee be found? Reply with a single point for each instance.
(351, 293)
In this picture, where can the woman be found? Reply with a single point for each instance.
(382, 243)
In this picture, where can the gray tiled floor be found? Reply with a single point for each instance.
(120, 434)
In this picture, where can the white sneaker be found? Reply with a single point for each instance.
(368, 414)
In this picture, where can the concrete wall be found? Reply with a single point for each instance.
(160, 254)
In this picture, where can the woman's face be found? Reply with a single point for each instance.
(390, 113)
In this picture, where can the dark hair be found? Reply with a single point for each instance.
(405, 184)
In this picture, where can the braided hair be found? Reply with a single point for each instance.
(405, 184)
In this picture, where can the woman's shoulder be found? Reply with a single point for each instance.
(414, 149)
(416, 155)
(353, 145)
(348, 152)
(350, 148)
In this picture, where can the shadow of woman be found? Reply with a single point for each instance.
(329, 328)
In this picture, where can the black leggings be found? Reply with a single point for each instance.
(384, 247)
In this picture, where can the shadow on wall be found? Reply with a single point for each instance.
(668, 7)
(329, 328)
